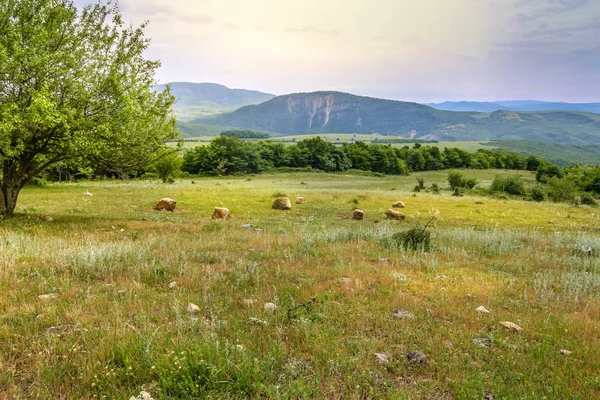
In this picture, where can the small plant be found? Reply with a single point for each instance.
(435, 188)
(417, 238)
(417, 189)
(458, 192)
(587, 200)
(538, 193)
(421, 183)
(458, 181)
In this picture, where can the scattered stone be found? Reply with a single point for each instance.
(48, 218)
(381, 358)
(250, 302)
(270, 307)
(394, 215)
(383, 259)
(566, 352)
(345, 279)
(193, 309)
(299, 200)
(297, 279)
(417, 357)
(257, 321)
(483, 342)
(87, 193)
(46, 297)
(166, 204)
(221, 213)
(282, 203)
(60, 329)
(441, 278)
(511, 326)
(402, 314)
(482, 309)
(488, 396)
(398, 204)
(122, 293)
(172, 285)
(358, 215)
(448, 344)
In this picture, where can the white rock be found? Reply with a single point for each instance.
(49, 296)
(566, 352)
(511, 326)
(87, 193)
(270, 307)
(257, 321)
(193, 309)
(482, 309)
(381, 358)
(250, 302)
(48, 218)
(172, 285)
(345, 279)
(402, 314)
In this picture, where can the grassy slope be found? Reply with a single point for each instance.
(557, 153)
(109, 257)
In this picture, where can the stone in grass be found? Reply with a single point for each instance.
(381, 358)
(172, 285)
(511, 326)
(166, 204)
(358, 215)
(402, 314)
(566, 352)
(482, 309)
(398, 204)
(270, 307)
(221, 213)
(394, 215)
(193, 309)
(417, 358)
(282, 203)
(250, 302)
(48, 218)
(257, 321)
(483, 342)
(299, 200)
(345, 279)
(49, 296)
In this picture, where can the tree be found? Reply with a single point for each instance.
(74, 83)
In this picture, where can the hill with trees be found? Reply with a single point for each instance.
(515, 105)
(336, 112)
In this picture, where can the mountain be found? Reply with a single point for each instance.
(336, 112)
(515, 105)
(195, 100)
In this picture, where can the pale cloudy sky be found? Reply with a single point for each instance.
(413, 50)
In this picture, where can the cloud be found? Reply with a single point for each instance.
(313, 29)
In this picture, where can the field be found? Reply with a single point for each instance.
(112, 325)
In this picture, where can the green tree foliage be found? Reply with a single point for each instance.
(512, 184)
(246, 134)
(74, 84)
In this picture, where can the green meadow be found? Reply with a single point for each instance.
(116, 279)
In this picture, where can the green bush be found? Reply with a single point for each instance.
(587, 199)
(538, 193)
(435, 188)
(458, 181)
(512, 184)
(560, 189)
(417, 239)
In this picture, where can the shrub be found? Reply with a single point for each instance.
(459, 181)
(417, 239)
(587, 199)
(512, 184)
(538, 193)
(435, 188)
(421, 183)
(560, 189)
(417, 189)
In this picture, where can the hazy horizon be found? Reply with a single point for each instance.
(428, 52)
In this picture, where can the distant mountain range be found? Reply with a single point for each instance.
(336, 112)
(516, 105)
(195, 100)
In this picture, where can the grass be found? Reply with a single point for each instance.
(116, 328)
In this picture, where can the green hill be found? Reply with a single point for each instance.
(560, 154)
(336, 112)
(195, 100)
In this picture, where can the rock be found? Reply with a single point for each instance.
(193, 309)
(358, 215)
(221, 213)
(250, 302)
(270, 307)
(257, 321)
(166, 204)
(122, 293)
(46, 297)
(417, 357)
(511, 326)
(383, 259)
(87, 193)
(394, 215)
(482, 309)
(398, 204)
(381, 358)
(402, 314)
(60, 329)
(48, 218)
(345, 279)
(282, 203)
(483, 342)
(441, 278)
(172, 285)
(566, 352)
(299, 200)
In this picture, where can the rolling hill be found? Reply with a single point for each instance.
(195, 100)
(336, 112)
(515, 105)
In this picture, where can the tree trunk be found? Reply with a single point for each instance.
(13, 181)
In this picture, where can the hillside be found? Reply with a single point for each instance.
(516, 105)
(195, 100)
(335, 112)
(560, 154)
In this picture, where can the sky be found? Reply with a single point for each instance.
(411, 50)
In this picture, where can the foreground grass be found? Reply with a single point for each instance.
(116, 328)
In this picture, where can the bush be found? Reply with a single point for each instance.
(538, 193)
(560, 189)
(417, 239)
(459, 181)
(435, 188)
(508, 184)
(587, 199)
(421, 183)
(417, 189)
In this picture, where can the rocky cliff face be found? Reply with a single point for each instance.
(320, 107)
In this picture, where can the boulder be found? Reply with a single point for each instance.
(270, 307)
(299, 200)
(358, 215)
(193, 309)
(511, 326)
(282, 203)
(221, 213)
(394, 215)
(398, 204)
(166, 204)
